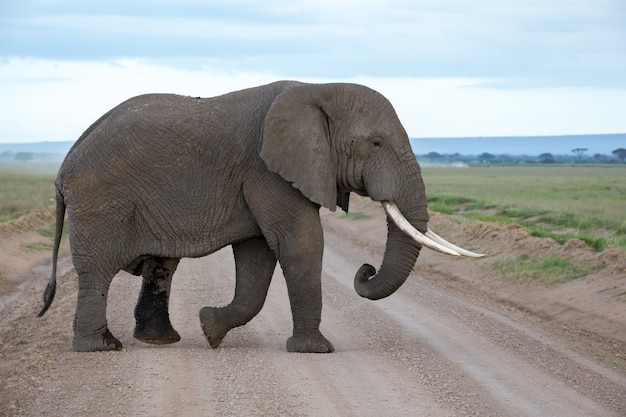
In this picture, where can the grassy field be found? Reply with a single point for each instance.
(587, 202)
(25, 187)
(562, 202)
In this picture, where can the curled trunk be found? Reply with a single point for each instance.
(404, 242)
(401, 253)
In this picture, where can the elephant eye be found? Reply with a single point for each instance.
(376, 143)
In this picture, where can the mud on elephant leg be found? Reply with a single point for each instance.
(152, 320)
(255, 263)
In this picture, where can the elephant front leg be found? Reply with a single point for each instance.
(291, 226)
(152, 320)
(303, 277)
(255, 263)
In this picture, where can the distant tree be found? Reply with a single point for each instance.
(600, 158)
(579, 152)
(434, 156)
(620, 153)
(546, 158)
(23, 156)
(504, 158)
(6, 155)
(486, 157)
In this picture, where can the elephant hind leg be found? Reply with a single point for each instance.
(152, 320)
(91, 332)
(255, 263)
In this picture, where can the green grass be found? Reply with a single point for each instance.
(545, 270)
(356, 216)
(39, 246)
(25, 187)
(49, 234)
(561, 202)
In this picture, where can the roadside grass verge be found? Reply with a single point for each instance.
(560, 202)
(24, 188)
(48, 233)
(546, 270)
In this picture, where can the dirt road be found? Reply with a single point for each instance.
(435, 348)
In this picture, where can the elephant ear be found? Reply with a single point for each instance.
(297, 143)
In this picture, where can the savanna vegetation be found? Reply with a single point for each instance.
(25, 187)
(558, 201)
(583, 201)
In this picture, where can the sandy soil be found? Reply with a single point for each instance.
(455, 340)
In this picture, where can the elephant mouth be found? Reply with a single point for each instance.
(429, 239)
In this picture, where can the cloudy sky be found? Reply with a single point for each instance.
(450, 67)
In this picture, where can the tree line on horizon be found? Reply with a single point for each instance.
(579, 155)
(8, 156)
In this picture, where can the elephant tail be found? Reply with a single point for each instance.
(51, 288)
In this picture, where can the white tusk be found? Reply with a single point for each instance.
(432, 235)
(403, 224)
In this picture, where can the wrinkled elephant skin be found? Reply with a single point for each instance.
(161, 177)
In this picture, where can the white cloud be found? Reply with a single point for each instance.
(457, 107)
(57, 100)
(193, 28)
(450, 67)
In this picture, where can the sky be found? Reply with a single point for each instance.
(451, 68)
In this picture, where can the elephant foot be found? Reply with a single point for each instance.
(309, 343)
(212, 326)
(156, 332)
(96, 342)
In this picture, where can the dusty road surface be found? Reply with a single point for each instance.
(453, 341)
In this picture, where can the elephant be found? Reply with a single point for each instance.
(161, 177)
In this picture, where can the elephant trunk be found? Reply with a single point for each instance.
(401, 252)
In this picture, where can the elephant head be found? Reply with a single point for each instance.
(332, 139)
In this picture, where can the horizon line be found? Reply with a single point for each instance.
(410, 137)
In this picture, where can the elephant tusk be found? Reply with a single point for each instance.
(403, 224)
(432, 235)
(430, 240)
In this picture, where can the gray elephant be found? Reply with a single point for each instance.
(161, 177)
